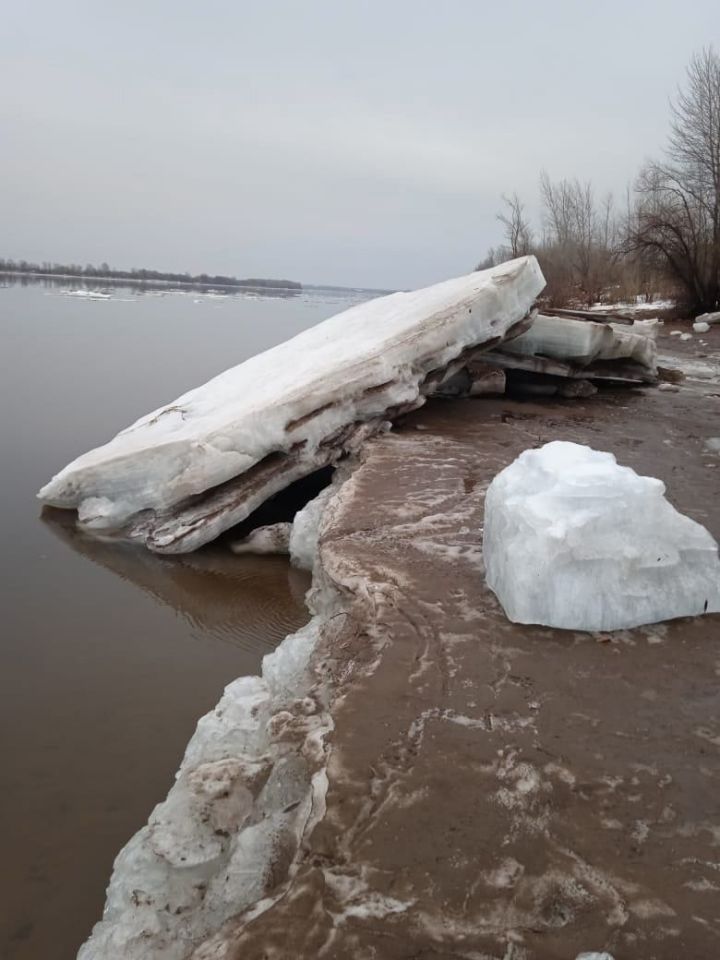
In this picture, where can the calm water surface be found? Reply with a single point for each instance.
(109, 655)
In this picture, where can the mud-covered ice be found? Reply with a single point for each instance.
(574, 540)
(238, 804)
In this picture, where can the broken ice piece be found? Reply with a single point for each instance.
(574, 540)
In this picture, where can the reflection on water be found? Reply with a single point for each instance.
(108, 655)
(249, 602)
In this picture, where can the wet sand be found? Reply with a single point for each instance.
(497, 790)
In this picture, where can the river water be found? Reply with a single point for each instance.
(108, 656)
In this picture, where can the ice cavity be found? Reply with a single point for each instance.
(299, 538)
(573, 540)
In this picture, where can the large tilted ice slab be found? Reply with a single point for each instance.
(573, 540)
(184, 473)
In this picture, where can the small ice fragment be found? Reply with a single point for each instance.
(594, 955)
(647, 328)
(306, 530)
(274, 538)
(700, 326)
(686, 336)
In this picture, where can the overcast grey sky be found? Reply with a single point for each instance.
(341, 142)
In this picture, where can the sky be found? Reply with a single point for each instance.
(350, 143)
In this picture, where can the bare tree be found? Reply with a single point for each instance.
(492, 258)
(518, 234)
(578, 249)
(677, 212)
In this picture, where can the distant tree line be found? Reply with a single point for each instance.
(666, 240)
(137, 275)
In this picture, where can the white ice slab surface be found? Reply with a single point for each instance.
(352, 366)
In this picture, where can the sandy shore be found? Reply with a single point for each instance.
(494, 790)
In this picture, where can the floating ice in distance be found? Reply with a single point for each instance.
(573, 540)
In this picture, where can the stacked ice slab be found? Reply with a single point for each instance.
(574, 540)
(180, 476)
(559, 355)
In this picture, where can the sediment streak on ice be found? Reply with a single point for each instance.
(181, 475)
(573, 540)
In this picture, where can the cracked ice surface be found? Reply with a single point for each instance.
(573, 540)
(282, 414)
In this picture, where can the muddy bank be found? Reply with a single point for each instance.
(497, 790)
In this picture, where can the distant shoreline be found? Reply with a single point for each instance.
(279, 286)
(109, 279)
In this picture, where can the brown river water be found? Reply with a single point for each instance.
(108, 655)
